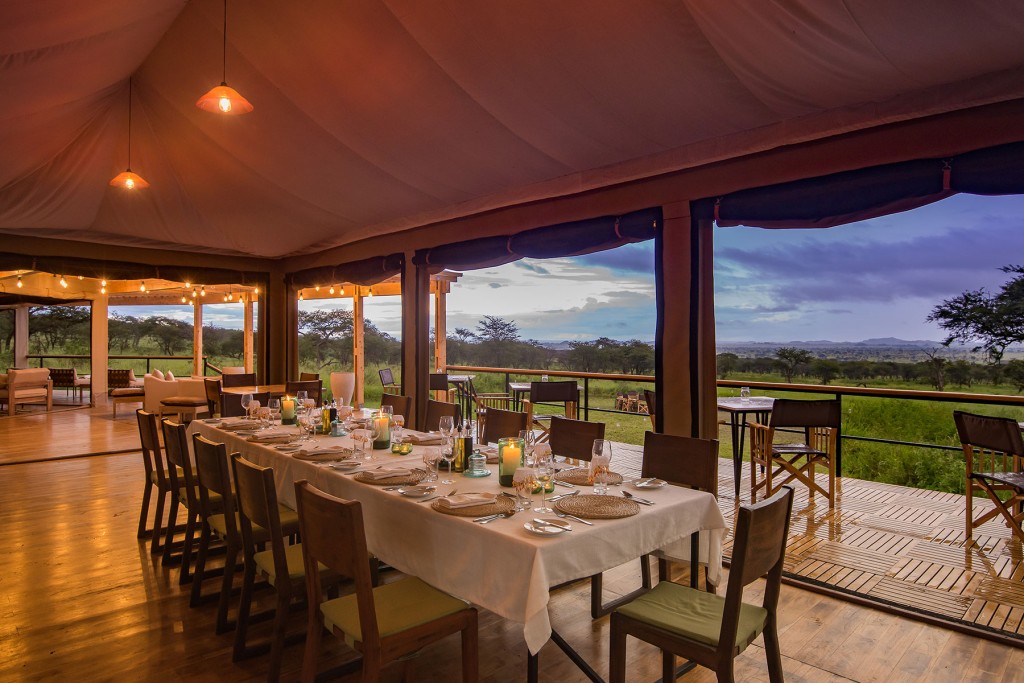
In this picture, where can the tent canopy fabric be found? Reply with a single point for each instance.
(377, 116)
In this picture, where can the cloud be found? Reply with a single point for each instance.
(494, 285)
(629, 258)
(531, 265)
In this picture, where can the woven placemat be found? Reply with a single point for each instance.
(500, 504)
(597, 507)
(580, 476)
(400, 480)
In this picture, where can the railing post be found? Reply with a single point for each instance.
(839, 439)
(586, 398)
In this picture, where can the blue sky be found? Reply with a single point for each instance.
(877, 278)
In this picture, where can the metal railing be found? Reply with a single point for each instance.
(207, 367)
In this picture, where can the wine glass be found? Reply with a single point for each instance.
(300, 397)
(275, 409)
(373, 433)
(387, 410)
(246, 400)
(448, 455)
(398, 422)
(524, 481)
(526, 436)
(600, 465)
(544, 465)
(429, 456)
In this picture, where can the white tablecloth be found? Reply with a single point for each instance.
(498, 566)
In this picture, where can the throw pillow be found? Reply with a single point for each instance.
(156, 373)
(169, 376)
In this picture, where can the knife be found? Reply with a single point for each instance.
(545, 522)
(578, 519)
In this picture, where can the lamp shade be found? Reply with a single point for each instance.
(129, 180)
(224, 99)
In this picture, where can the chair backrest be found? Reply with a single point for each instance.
(118, 378)
(400, 404)
(439, 381)
(554, 392)
(573, 438)
(314, 389)
(499, 424)
(212, 475)
(999, 438)
(387, 378)
(333, 535)
(681, 460)
(759, 549)
(176, 448)
(437, 409)
(212, 386)
(309, 377)
(794, 413)
(63, 377)
(651, 399)
(231, 404)
(152, 452)
(257, 504)
(238, 379)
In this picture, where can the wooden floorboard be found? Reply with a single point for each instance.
(82, 599)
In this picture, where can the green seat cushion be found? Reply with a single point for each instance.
(693, 614)
(289, 525)
(400, 606)
(293, 558)
(216, 500)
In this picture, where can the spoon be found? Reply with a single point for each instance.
(642, 501)
(573, 517)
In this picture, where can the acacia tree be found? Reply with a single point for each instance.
(994, 321)
(324, 330)
(790, 358)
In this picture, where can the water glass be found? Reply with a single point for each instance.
(600, 465)
(246, 400)
(429, 456)
(275, 409)
(524, 481)
(744, 394)
(398, 422)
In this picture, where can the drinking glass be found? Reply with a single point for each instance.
(448, 455)
(373, 432)
(526, 436)
(363, 439)
(300, 397)
(600, 465)
(387, 410)
(275, 409)
(264, 416)
(398, 422)
(429, 456)
(446, 426)
(524, 481)
(544, 466)
(252, 411)
(246, 400)
(744, 394)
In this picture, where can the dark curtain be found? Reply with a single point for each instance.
(123, 270)
(858, 195)
(365, 272)
(563, 239)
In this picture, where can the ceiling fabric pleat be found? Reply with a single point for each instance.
(553, 241)
(123, 270)
(365, 272)
(851, 196)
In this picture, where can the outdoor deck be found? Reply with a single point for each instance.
(75, 580)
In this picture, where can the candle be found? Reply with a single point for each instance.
(287, 410)
(510, 457)
(382, 425)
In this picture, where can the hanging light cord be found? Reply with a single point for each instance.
(129, 123)
(224, 52)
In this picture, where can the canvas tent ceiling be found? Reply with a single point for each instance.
(377, 116)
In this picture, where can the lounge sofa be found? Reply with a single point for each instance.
(28, 385)
(158, 388)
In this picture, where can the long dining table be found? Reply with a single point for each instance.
(499, 566)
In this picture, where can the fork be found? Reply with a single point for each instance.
(642, 501)
(447, 495)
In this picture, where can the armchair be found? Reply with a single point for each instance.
(27, 385)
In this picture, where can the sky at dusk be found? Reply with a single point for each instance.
(877, 278)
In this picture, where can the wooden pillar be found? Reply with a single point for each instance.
(685, 338)
(440, 326)
(99, 348)
(247, 333)
(21, 337)
(358, 349)
(197, 338)
(415, 338)
(279, 333)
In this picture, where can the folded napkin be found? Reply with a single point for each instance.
(423, 438)
(465, 500)
(491, 453)
(386, 474)
(240, 426)
(271, 438)
(322, 454)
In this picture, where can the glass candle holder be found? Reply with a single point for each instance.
(287, 410)
(510, 458)
(382, 428)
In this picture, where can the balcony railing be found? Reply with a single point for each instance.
(43, 357)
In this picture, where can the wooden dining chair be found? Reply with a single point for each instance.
(231, 404)
(994, 455)
(438, 409)
(498, 424)
(238, 379)
(382, 623)
(782, 463)
(565, 393)
(212, 387)
(182, 477)
(309, 376)
(651, 399)
(706, 628)
(314, 389)
(157, 480)
(401, 405)
(281, 566)
(574, 439)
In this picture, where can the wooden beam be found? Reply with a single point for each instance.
(247, 334)
(358, 349)
(21, 337)
(441, 334)
(100, 348)
(197, 337)
(415, 338)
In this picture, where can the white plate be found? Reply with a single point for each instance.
(346, 465)
(416, 491)
(212, 421)
(652, 484)
(543, 530)
(288, 447)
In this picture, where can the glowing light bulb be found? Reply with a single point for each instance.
(202, 292)
(225, 104)
(187, 285)
(369, 292)
(20, 283)
(256, 291)
(318, 288)
(231, 297)
(103, 283)
(129, 183)
(332, 289)
(183, 299)
(225, 297)
(142, 287)
(194, 292)
(300, 296)
(103, 290)
(342, 291)
(63, 282)
(81, 277)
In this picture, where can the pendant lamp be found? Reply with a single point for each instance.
(224, 99)
(127, 179)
